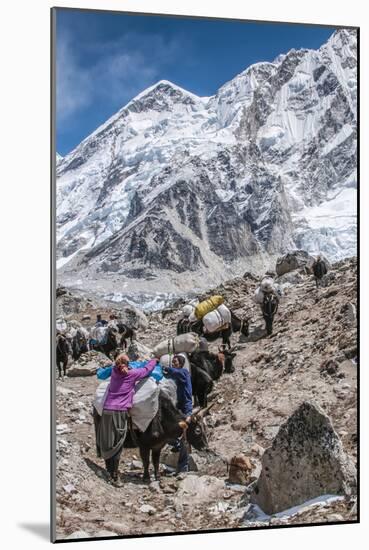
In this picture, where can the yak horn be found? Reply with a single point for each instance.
(205, 411)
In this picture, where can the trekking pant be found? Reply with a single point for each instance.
(112, 464)
(111, 430)
(181, 445)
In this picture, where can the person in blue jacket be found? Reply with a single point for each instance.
(182, 379)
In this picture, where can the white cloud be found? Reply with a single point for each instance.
(73, 83)
(121, 69)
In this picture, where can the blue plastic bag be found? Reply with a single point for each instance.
(157, 373)
(104, 372)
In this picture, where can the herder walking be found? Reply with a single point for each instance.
(111, 426)
(319, 269)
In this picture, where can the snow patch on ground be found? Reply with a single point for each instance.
(255, 513)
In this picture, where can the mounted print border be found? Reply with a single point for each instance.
(204, 343)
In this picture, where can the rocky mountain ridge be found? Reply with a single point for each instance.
(175, 189)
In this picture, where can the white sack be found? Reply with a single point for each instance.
(184, 342)
(101, 395)
(217, 318)
(145, 403)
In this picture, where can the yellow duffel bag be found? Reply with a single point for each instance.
(208, 305)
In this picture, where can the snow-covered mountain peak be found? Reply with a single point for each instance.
(177, 184)
(341, 38)
(163, 96)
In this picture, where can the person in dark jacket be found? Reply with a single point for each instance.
(319, 269)
(182, 378)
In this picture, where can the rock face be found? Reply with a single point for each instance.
(306, 460)
(291, 261)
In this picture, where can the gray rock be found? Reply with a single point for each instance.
(136, 464)
(351, 313)
(147, 509)
(154, 487)
(171, 459)
(134, 317)
(305, 460)
(255, 334)
(291, 261)
(69, 488)
(88, 369)
(291, 278)
(199, 489)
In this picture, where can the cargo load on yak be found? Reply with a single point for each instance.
(61, 325)
(219, 318)
(208, 305)
(99, 335)
(187, 310)
(145, 401)
(183, 343)
(267, 286)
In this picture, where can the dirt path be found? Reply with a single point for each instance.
(273, 376)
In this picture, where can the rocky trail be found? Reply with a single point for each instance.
(310, 357)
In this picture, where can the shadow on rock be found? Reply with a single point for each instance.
(256, 334)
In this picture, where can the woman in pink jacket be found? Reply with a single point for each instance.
(111, 427)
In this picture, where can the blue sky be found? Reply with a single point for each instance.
(104, 59)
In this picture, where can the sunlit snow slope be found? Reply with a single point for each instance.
(175, 183)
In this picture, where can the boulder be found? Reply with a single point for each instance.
(293, 260)
(133, 317)
(97, 357)
(199, 489)
(306, 460)
(240, 469)
(88, 369)
(291, 278)
(137, 350)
